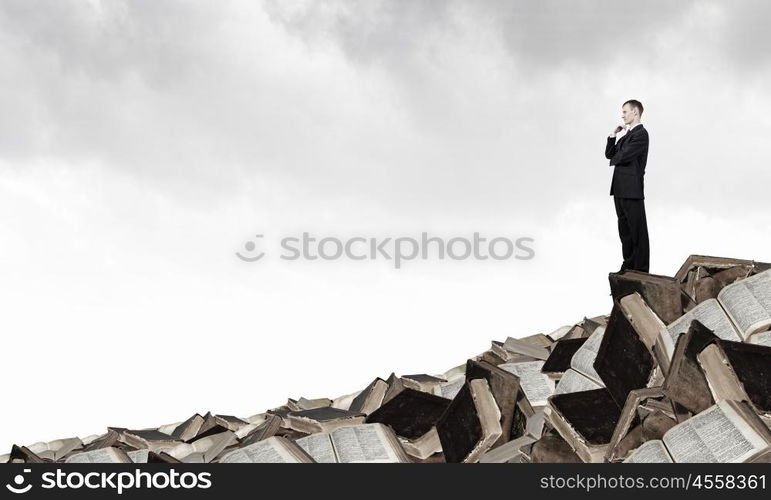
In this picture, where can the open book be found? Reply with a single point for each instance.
(275, 449)
(573, 381)
(413, 415)
(728, 431)
(365, 443)
(581, 376)
(109, 454)
(536, 385)
(57, 449)
(739, 311)
(739, 371)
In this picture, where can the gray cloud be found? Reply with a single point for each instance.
(414, 105)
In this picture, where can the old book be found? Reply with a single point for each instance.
(471, 424)
(366, 443)
(423, 382)
(586, 420)
(207, 447)
(536, 424)
(713, 265)
(585, 356)
(496, 348)
(55, 450)
(573, 381)
(509, 452)
(148, 438)
(309, 404)
(656, 423)
(591, 324)
(395, 386)
(562, 331)
(739, 311)
(162, 458)
(561, 354)
(649, 328)
(281, 411)
(522, 411)
(274, 449)
(323, 419)
(628, 419)
(709, 313)
(110, 438)
(505, 388)
(761, 338)
(535, 385)
(290, 434)
(739, 371)
(269, 427)
(344, 402)
(535, 350)
(370, 398)
(702, 277)
(22, 454)
(229, 422)
(150, 457)
(214, 424)
(686, 383)
(662, 293)
(538, 339)
(727, 432)
(579, 331)
(492, 358)
(413, 416)
(451, 388)
(623, 361)
(436, 458)
(553, 449)
(109, 454)
(188, 429)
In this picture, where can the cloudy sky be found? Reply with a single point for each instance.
(143, 143)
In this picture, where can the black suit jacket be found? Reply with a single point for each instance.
(629, 157)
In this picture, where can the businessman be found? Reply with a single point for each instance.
(628, 157)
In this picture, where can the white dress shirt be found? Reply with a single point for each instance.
(629, 129)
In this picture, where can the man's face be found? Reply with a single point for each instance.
(628, 113)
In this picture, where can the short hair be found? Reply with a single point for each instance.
(635, 104)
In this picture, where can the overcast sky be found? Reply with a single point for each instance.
(142, 143)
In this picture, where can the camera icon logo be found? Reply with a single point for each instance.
(18, 482)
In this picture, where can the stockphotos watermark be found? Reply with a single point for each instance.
(113, 481)
(397, 250)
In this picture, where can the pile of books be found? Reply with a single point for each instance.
(679, 371)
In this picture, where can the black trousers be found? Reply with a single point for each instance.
(633, 231)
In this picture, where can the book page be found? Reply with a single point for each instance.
(650, 452)
(522, 347)
(450, 389)
(748, 302)
(138, 456)
(583, 359)
(319, 447)
(98, 456)
(572, 381)
(716, 435)
(265, 451)
(711, 315)
(536, 385)
(362, 443)
(763, 338)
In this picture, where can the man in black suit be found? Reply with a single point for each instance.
(629, 157)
